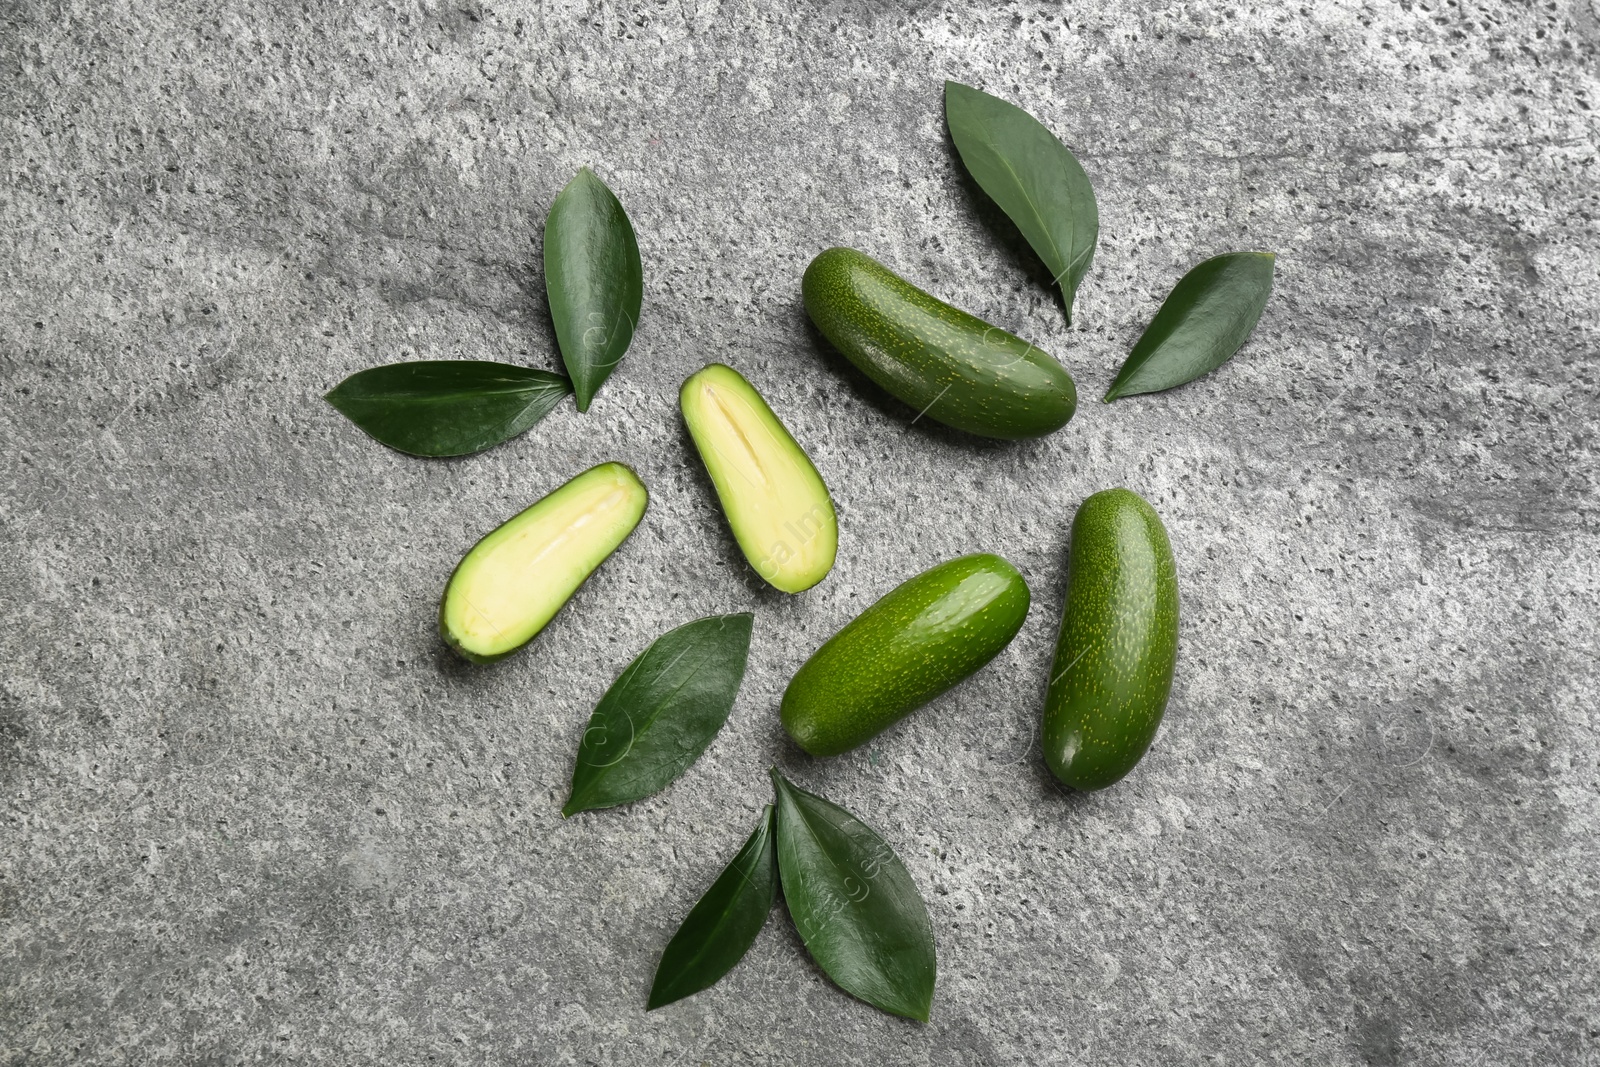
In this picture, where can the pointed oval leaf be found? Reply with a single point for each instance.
(447, 407)
(1201, 324)
(663, 711)
(720, 929)
(1034, 178)
(854, 903)
(593, 279)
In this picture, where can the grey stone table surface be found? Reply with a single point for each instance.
(254, 812)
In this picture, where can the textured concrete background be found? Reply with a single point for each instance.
(253, 812)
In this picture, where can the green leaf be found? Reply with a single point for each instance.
(663, 711)
(1034, 178)
(854, 903)
(721, 928)
(1202, 323)
(593, 279)
(447, 407)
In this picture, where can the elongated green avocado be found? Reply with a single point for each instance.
(778, 507)
(511, 583)
(945, 363)
(1119, 640)
(921, 639)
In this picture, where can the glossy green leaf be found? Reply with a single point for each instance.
(593, 279)
(1034, 178)
(1202, 323)
(447, 407)
(720, 929)
(663, 711)
(854, 903)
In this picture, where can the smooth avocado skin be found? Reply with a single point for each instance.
(513, 581)
(776, 503)
(945, 363)
(1119, 641)
(925, 636)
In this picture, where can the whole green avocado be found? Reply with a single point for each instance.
(921, 639)
(1118, 644)
(949, 365)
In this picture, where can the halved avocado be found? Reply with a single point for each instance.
(774, 498)
(512, 582)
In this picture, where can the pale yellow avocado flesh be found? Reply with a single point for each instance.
(774, 498)
(512, 582)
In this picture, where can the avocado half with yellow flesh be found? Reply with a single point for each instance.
(512, 582)
(774, 498)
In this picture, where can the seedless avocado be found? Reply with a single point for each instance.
(947, 364)
(1118, 644)
(774, 498)
(921, 639)
(512, 582)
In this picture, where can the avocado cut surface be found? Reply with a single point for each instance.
(945, 363)
(774, 498)
(1118, 644)
(512, 582)
(921, 639)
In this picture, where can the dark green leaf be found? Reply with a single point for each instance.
(663, 711)
(723, 926)
(594, 280)
(854, 904)
(447, 407)
(1032, 176)
(1200, 326)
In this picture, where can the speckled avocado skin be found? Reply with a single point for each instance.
(943, 362)
(1119, 641)
(921, 639)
